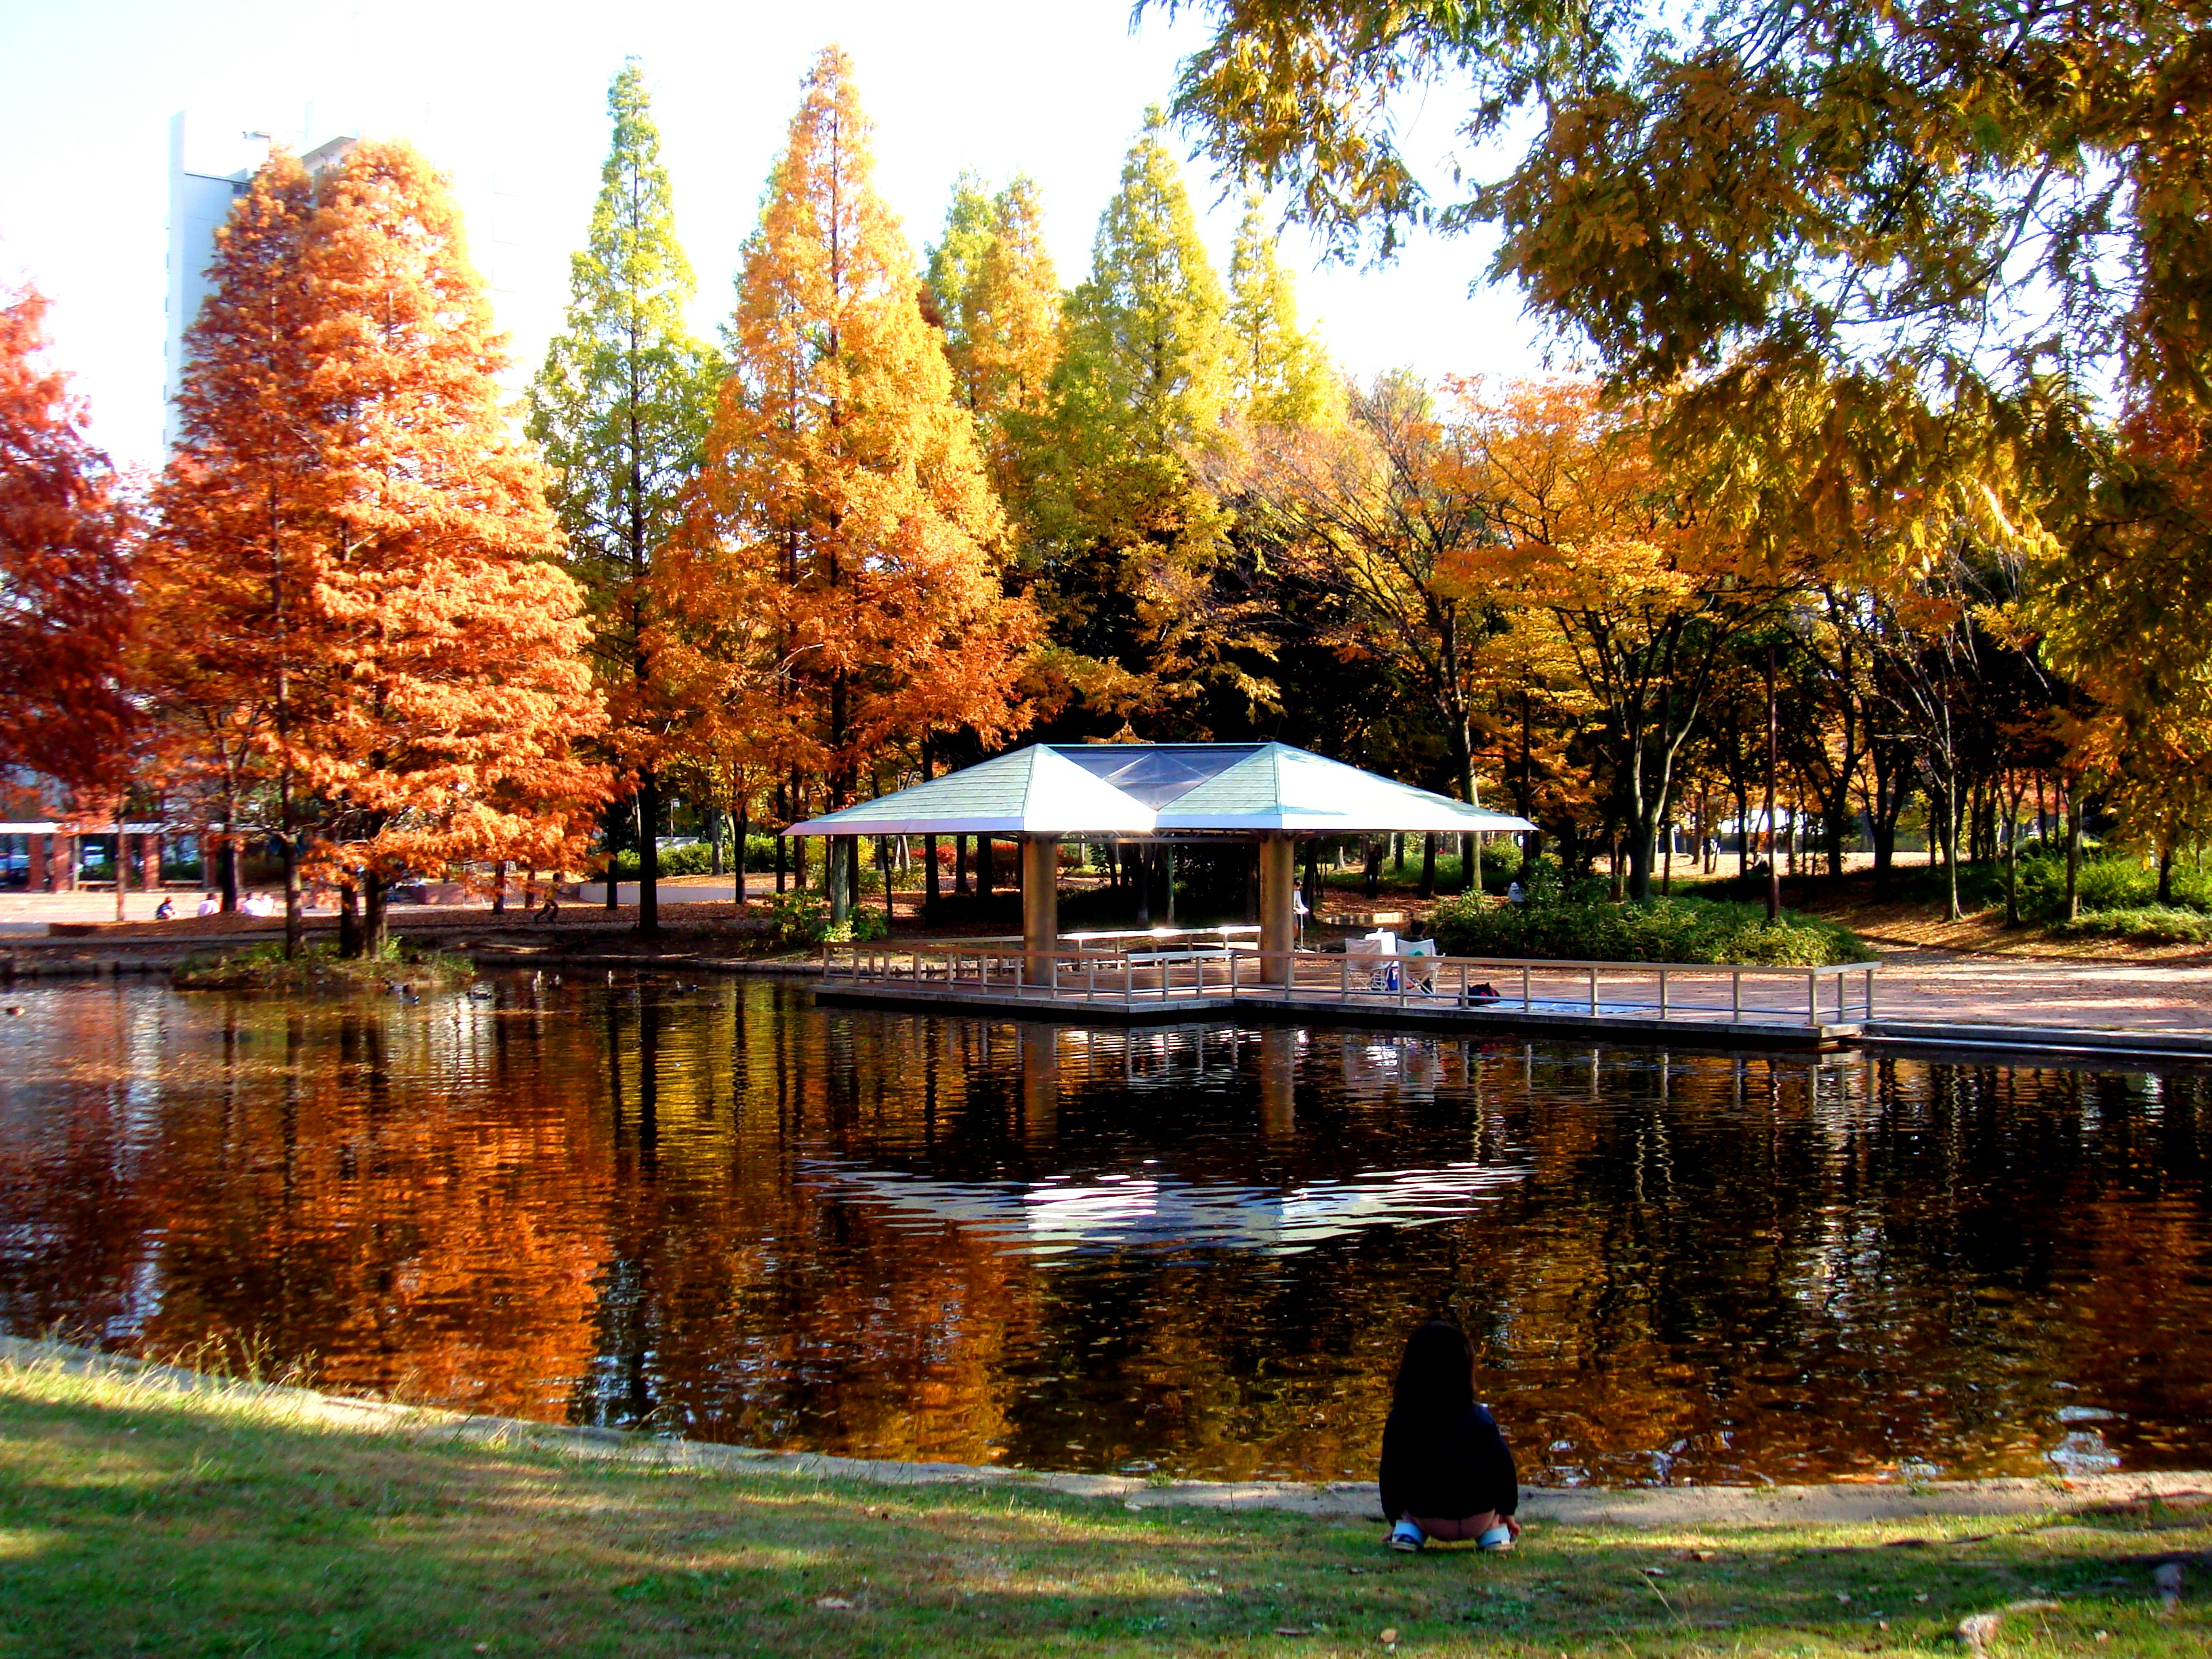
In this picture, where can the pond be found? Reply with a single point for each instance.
(713, 1210)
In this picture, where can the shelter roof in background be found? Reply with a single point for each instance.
(1274, 787)
(1144, 788)
(1030, 791)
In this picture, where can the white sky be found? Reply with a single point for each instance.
(512, 98)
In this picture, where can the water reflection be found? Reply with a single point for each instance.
(716, 1210)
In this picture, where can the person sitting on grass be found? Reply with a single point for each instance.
(1446, 1472)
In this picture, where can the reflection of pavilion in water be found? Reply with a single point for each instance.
(1066, 1213)
(1154, 1208)
(1143, 1059)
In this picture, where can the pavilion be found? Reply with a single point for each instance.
(1267, 793)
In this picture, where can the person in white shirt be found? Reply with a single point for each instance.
(209, 906)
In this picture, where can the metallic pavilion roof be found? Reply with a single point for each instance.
(1168, 788)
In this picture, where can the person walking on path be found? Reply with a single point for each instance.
(1447, 1473)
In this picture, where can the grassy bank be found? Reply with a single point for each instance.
(136, 1519)
(320, 967)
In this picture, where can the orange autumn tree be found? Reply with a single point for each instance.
(842, 577)
(360, 547)
(1646, 600)
(66, 531)
(232, 669)
(457, 683)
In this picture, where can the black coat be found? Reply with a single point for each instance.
(1447, 1472)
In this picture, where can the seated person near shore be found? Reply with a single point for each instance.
(165, 909)
(1446, 1472)
(209, 905)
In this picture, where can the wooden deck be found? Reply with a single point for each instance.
(1173, 980)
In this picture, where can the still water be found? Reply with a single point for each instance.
(716, 1210)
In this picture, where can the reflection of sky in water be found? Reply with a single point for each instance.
(1065, 1214)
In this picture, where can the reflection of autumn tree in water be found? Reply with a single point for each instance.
(714, 1211)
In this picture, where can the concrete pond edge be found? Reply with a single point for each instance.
(1843, 1504)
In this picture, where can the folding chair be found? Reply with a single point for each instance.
(1421, 976)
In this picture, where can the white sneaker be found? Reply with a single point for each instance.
(1408, 1536)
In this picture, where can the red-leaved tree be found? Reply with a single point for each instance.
(67, 528)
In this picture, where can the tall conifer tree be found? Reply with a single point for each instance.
(847, 520)
(950, 277)
(621, 406)
(462, 690)
(1277, 376)
(1124, 531)
(361, 544)
(235, 674)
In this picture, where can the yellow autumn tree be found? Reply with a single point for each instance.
(841, 578)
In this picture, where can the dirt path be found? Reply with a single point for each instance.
(1953, 987)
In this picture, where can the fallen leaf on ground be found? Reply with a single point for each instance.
(835, 1603)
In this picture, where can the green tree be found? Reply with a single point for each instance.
(951, 276)
(621, 406)
(1278, 375)
(1122, 532)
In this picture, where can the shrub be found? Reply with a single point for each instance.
(1579, 925)
(800, 918)
(2144, 924)
(864, 925)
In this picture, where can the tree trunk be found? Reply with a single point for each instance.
(349, 935)
(2073, 852)
(2166, 868)
(743, 817)
(498, 888)
(648, 853)
(376, 929)
(229, 856)
(1773, 750)
(1372, 869)
(1951, 806)
(1742, 828)
(1427, 889)
(2010, 799)
(836, 871)
(987, 873)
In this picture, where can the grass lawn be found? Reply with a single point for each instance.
(136, 1519)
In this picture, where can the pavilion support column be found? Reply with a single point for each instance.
(1277, 924)
(1040, 903)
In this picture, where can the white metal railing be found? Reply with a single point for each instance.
(1155, 971)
